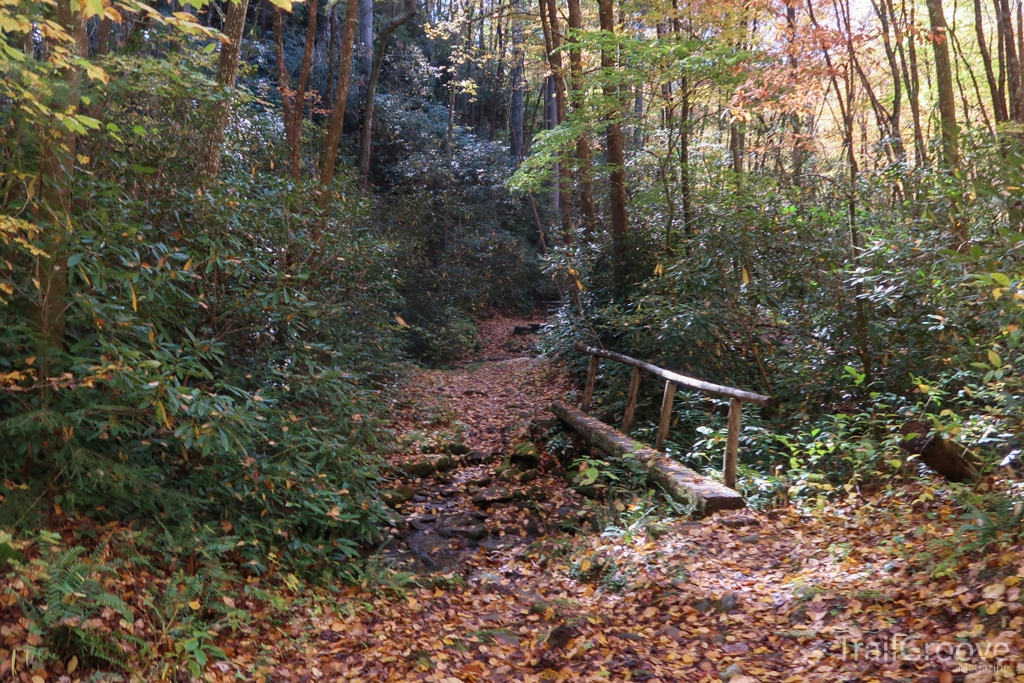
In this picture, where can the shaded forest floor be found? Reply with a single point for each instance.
(503, 573)
(789, 595)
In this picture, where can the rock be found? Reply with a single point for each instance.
(421, 523)
(499, 543)
(445, 463)
(505, 637)
(738, 521)
(703, 606)
(560, 636)
(474, 532)
(540, 607)
(419, 499)
(478, 514)
(731, 672)
(727, 603)
(718, 639)
(537, 494)
(629, 635)
(528, 476)
(397, 496)
(475, 458)
(482, 482)
(525, 456)
(670, 632)
(752, 538)
(457, 449)
(492, 496)
(565, 519)
(419, 468)
(533, 526)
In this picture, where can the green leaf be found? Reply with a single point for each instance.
(994, 359)
(1000, 278)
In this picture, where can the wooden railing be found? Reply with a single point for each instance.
(672, 380)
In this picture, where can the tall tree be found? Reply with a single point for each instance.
(366, 34)
(553, 42)
(227, 73)
(366, 140)
(995, 91)
(583, 156)
(56, 169)
(329, 154)
(1008, 50)
(944, 82)
(517, 109)
(615, 146)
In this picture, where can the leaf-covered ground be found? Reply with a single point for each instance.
(491, 586)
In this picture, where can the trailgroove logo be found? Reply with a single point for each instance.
(994, 656)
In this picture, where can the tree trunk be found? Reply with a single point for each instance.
(564, 170)
(998, 98)
(330, 152)
(300, 93)
(936, 453)
(227, 73)
(332, 55)
(366, 34)
(371, 89)
(615, 152)
(944, 81)
(56, 168)
(284, 82)
(1004, 23)
(583, 141)
(517, 110)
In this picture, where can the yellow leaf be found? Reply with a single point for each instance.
(72, 665)
(1012, 580)
(194, 604)
(585, 566)
(401, 322)
(746, 276)
(994, 359)
(286, 5)
(30, 360)
(135, 299)
(650, 612)
(994, 607)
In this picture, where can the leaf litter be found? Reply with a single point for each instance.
(514, 586)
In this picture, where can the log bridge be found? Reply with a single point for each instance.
(680, 482)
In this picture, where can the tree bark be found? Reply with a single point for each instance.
(371, 89)
(517, 110)
(227, 73)
(366, 33)
(998, 98)
(56, 168)
(944, 81)
(330, 152)
(615, 151)
(583, 154)
(1004, 23)
(936, 453)
(300, 92)
(564, 170)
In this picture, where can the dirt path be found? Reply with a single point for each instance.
(502, 593)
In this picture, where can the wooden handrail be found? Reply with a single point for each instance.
(682, 380)
(736, 398)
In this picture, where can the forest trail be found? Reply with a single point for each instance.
(502, 593)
